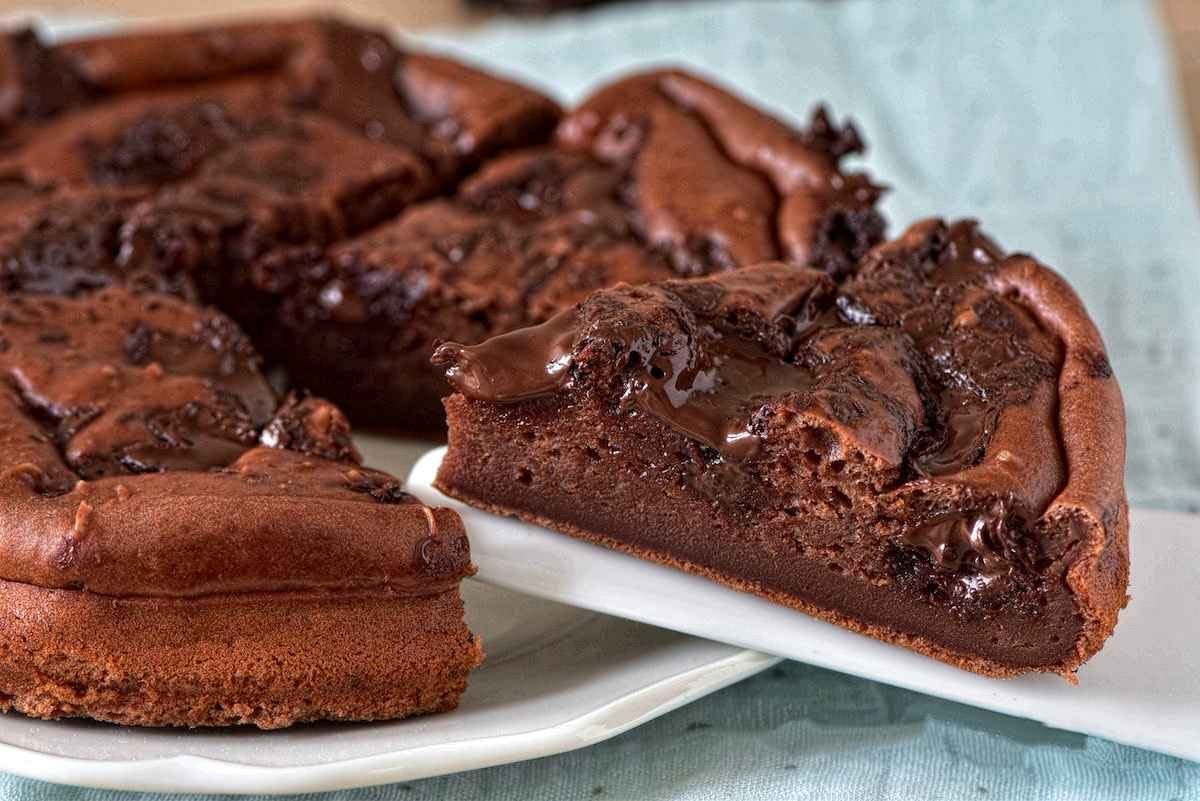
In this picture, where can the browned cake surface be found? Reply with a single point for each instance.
(655, 176)
(929, 449)
(180, 548)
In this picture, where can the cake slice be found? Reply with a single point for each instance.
(930, 451)
(658, 175)
(181, 548)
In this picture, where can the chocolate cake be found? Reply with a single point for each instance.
(656, 176)
(920, 440)
(181, 549)
(928, 449)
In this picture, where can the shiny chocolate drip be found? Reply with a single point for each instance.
(977, 544)
(708, 394)
(714, 402)
(968, 428)
(955, 540)
(520, 365)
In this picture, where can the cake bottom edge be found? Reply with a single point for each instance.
(263, 659)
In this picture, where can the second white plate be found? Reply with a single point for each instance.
(1143, 689)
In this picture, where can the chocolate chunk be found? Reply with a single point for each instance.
(314, 427)
(379, 486)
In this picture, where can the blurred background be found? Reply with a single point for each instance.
(1181, 20)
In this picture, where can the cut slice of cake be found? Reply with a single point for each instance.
(930, 451)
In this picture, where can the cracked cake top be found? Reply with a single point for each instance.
(132, 422)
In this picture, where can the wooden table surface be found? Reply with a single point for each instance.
(1181, 18)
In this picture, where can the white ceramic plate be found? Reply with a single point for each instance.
(1143, 689)
(556, 678)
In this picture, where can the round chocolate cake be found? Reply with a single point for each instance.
(180, 548)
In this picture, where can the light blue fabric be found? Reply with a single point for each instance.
(1057, 125)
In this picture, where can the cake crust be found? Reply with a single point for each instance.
(883, 451)
(265, 659)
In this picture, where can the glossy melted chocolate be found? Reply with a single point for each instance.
(520, 365)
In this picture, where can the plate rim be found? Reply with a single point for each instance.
(189, 773)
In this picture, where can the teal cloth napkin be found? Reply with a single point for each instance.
(1057, 124)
